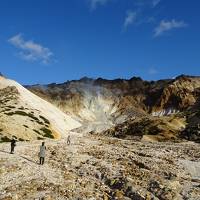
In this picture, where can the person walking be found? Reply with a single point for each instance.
(68, 140)
(42, 153)
(12, 145)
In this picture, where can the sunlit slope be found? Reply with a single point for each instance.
(27, 116)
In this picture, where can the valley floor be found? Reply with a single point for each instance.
(94, 167)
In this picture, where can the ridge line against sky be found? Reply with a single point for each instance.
(101, 38)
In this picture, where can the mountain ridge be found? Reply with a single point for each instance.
(101, 104)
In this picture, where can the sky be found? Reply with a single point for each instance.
(46, 41)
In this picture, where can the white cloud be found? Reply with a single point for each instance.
(165, 26)
(152, 71)
(147, 3)
(130, 18)
(30, 50)
(95, 3)
(155, 2)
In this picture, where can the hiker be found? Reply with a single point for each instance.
(12, 144)
(42, 153)
(68, 140)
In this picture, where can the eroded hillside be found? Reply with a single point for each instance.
(103, 104)
(27, 117)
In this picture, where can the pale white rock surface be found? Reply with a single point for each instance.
(27, 112)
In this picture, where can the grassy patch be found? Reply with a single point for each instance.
(39, 122)
(5, 139)
(46, 121)
(22, 113)
(47, 132)
(40, 138)
(37, 131)
(16, 113)
(198, 114)
(6, 110)
(10, 107)
(5, 101)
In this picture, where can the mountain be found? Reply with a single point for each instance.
(135, 144)
(147, 110)
(27, 116)
(103, 105)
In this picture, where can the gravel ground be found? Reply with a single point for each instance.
(94, 167)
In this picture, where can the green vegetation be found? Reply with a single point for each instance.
(5, 101)
(22, 113)
(46, 121)
(10, 107)
(198, 114)
(48, 133)
(5, 139)
(40, 138)
(37, 131)
(19, 112)
(16, 113)
(6, 110)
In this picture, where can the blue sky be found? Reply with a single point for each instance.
(44, 41)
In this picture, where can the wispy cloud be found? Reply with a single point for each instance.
(166, 26)
(139, 16)
(95, 3)
(152, 71)
(147, 3)
(130, 18)
(155, 2)
(31, 51)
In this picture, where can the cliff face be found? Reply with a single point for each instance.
(107, 103)
(178, 94)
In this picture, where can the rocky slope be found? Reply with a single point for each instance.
(94, 167)
(152, 129)
(27, 117)
(103, 104)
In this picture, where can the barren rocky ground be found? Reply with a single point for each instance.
(95, 167)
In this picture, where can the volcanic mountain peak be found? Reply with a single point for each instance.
(101, 104)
